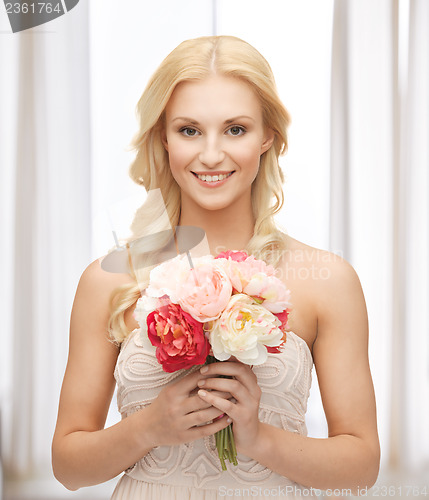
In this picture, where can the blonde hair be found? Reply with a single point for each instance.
(194, 60)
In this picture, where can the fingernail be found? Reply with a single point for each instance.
(202, 393)
(204, 369)
(229, 420)
(201, 382)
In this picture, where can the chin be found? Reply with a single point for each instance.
(215, 206)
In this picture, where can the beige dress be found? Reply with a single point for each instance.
(192, 471)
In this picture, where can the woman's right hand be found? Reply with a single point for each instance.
(178, 415)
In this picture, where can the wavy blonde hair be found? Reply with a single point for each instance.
(192, 60)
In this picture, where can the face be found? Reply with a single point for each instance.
(214, 135)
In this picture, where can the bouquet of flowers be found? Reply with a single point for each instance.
(223, 306)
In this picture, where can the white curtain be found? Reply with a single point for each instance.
(414, 181)
(45, 182)
(362, 172)
(355, 77)
(379, 202)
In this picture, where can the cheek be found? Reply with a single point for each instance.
(248, 156)
(179, 156)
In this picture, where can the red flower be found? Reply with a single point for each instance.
(238, 256)
(178, 337)
(283, 316)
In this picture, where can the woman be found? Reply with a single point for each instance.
(211, 130)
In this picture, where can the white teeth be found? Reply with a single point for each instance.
(213, 178)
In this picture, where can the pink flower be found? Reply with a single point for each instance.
(257, 278)
(253, 266)
(179, 339)
(238, 256)
(206, 292)
(270, 290)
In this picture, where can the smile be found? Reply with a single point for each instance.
(212, 178)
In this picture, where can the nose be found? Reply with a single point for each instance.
(212, 153)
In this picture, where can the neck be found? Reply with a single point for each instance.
(228, 229)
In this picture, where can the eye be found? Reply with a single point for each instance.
(236, 130)
(188, 131)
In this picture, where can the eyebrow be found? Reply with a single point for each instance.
(226, 122)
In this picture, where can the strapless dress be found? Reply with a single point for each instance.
(192, 471)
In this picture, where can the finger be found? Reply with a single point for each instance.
(202, 417)
(209, 429)
(224, 405)
(186, 384)
(238, 370)
(233, 386)
(195, 403)
(225, 395)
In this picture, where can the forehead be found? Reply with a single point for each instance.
(214, 96)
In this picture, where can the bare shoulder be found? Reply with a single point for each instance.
(94, 276)
(323, 269)
(322, 284)
(301, 253)
(94, 293)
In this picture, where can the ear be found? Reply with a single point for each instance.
(268, 140)
(164, 139)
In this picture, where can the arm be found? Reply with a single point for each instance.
(349, 457)
(83, 452)
(80, 446)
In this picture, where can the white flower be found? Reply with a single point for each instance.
(144, 306)
(243, 330)
(168, 277)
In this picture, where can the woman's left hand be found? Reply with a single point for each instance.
(243, 408)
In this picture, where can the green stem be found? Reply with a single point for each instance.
(233, 448)
(224, 438)
(221, 450)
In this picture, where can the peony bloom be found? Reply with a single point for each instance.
(283, 317)
(179, 339)
(237, 256)
(245, 329)
(271, 291)
(145, 305)
(257, 279)
(240, 271)
(252, 266)
(206, 291)
(168, 277)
